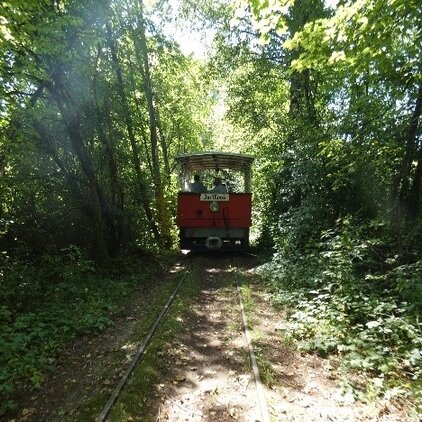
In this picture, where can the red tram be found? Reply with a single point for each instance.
(216, 217)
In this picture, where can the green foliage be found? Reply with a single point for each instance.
(346, 296)
(49, 302)
(72, 151)
(327, 103)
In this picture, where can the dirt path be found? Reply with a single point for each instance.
(305, 387)
(197, 368)
(211, 379)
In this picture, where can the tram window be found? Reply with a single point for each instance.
(196, 185)
(233, 180)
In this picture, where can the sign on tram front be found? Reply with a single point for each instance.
(214, 197)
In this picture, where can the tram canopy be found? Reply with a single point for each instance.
(215, 161)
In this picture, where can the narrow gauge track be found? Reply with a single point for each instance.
(222, 266)
(135, 360)
(259, 389)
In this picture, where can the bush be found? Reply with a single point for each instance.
(47, 303)
(348, 297)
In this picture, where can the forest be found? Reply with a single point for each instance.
(97, 98)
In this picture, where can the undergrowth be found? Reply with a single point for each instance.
(48, 302)
(347, 296)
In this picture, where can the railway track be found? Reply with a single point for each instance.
(220, 295)
(136, 359)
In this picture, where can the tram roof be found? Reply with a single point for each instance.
(215, 160)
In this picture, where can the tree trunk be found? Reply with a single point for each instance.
(117, 225)
(50, 147)
(142, 125)
(415, 191)
(164, 149)
(163, 218)
(115, 186)
(150, 103)
(129, 127)
(405, 200)
(411, 146)
(96, 201)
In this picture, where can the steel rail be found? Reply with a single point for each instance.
(259, 388)
(141, 351)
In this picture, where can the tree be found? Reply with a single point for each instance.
(376, 45)
(38, 69)
(80, 94)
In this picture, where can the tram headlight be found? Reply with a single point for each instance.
(214, 207)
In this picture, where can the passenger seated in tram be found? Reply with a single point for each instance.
(219, 187)
(197, 186)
